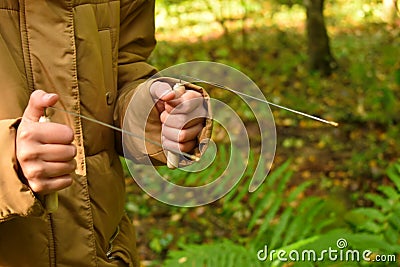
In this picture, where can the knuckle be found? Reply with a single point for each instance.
(164, 116)
(36, 186)
(25, 134)
(34, 172)
(182, 137)
(25, 155)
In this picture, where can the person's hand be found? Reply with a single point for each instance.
(182, 118)
(44, 150)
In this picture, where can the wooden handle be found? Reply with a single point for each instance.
(174, 158)
(51, 200)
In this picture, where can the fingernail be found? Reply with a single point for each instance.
(49, 97)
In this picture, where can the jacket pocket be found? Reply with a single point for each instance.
(122, 245)
(109, 68)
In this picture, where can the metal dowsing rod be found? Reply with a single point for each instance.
(261, 100)
(216, 85)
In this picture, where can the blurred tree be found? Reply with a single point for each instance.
(390, 10)
(319, 52)
(320, 56)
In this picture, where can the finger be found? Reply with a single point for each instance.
(38, 101)
(182, 135)
(189, 98)
(161, 91)
(50, 133)
(57, 153)
(197, 121)
(48, 186)
(44, 170)
(180, 105)
(175, 146)
(160, 105)
(56, 169)
(61, 134)
(181, 121)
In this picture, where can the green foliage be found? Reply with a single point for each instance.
(284, 225)
(383, 219)
(223, 254)
(160, 240)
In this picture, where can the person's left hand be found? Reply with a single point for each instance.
(182, 118)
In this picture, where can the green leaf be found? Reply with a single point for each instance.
(298, 190)
(261, 205)
(280, 227)
(310, 224)
(390, 192)
(283, 182)
(278, 173)
(370, 214)
(272, 211)
(394, 174)
(378, 200)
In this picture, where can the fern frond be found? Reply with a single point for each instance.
(298, 190)
(280, 227)
(390, 193)
(270, 182)
(235, 196)
(394, 174)
(378, 200)
(266, 224)
(372, 214)
(223, 254)
(309, 211)
(269, 201)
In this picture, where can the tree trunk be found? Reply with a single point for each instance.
(320, 57)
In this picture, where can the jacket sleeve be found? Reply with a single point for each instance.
(16, 198)
(136, 42)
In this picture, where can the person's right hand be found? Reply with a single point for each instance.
(44, 150)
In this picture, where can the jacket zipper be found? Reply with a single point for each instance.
(52, 242)
(110, 245)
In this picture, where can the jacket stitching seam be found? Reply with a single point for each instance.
(9, 9)
(100, 3)
(79, 134)
(26, 45)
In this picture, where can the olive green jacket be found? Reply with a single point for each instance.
(92, 53)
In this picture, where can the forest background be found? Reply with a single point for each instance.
(336, 59)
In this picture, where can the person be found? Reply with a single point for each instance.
(87, 57)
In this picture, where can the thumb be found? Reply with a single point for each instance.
(161, 91)
(38, 101)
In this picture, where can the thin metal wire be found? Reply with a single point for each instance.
(192, 157)
(261, 100)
